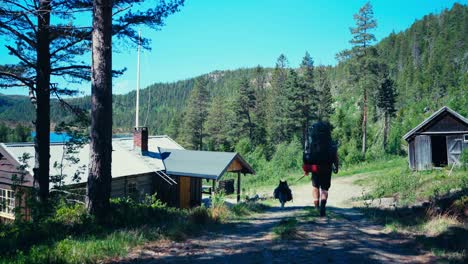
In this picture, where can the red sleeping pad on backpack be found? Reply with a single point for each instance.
(310, 168)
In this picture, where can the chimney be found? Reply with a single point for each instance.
(140, 139)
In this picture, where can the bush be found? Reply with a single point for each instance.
(218, 211)
(464, 158)
(199, 215)
(71, 215)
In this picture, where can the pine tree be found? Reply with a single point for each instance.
(309, 93)
(296, 109)
(245, 103)
(386, 99)
(100, 164)
(196, 114)
(324, 96)
(363, 55)
(277, 102)
(261, 107)
(216, 125)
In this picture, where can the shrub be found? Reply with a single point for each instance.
(199, 215)
(464, 158)
(71, 215)
(218, 211)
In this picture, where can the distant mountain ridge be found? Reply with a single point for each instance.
(428, 61)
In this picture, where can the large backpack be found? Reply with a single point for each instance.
(319, 146)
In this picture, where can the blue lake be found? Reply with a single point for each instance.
(55, 137)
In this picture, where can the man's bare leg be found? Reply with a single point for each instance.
(323, 202)
(315, 195)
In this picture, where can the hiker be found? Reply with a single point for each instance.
(320, 158)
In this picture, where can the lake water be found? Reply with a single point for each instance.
(55, 137)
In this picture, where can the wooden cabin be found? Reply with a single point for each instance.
(189, 167)
(11, 180)
(438, 141)
(141, 166)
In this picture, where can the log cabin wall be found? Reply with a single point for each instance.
(135, 186)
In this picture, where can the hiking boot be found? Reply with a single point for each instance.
(323, 203)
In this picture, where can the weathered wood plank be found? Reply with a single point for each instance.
(423, 155)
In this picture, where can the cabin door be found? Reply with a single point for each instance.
(423, 152)
(454, 149)
(184, 192)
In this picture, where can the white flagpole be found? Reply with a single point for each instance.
(138, 82)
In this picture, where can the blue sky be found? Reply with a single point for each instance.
(208, 35)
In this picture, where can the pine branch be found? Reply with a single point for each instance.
(18, 34)
(21, 57)
(72, 67)
(25, 81)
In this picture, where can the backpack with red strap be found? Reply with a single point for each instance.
(318, 148)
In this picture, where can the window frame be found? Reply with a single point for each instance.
(7, 203)
(465, 138)
(132, 188)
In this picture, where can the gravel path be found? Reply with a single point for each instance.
(343, 237)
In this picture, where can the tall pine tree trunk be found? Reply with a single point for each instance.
(99, 178)
(385, 134)
(364, 124)
(42, 139)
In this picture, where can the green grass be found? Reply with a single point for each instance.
(248, 208)
(442, 233)
(373, 166)
(393, 178)
(286, 229)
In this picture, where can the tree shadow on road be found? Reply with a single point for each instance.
(340, 239)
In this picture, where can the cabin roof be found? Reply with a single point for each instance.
(432, 118)
(203, 164)
(125, 161)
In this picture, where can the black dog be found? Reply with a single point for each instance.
(283, 193)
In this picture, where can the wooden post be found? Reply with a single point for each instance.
(238, 186)
(213, 188)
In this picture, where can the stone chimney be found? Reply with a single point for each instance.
(140, 139)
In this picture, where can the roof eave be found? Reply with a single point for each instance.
(413, 131)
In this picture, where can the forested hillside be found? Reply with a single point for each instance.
(393, 85)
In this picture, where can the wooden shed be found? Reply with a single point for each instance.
(438, 141)
(189, 167)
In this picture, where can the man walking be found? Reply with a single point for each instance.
(321, 159)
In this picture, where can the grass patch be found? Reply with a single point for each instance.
(393, 178)
(69, 235)
(248, 208)
(286, 229)
(373, 166)
(443, 234)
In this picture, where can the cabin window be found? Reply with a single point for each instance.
(132, 188)
(7, 202)
(465, 138)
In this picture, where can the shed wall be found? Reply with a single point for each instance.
(167, 193)
(455, 147)
(446, 123)
(423, 153)
(411, 156)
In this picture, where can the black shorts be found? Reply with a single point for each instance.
(322, 179)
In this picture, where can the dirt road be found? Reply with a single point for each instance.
(342, 237)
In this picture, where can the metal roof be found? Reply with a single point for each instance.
(202, 164)
(432, 117)
(125, 161)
